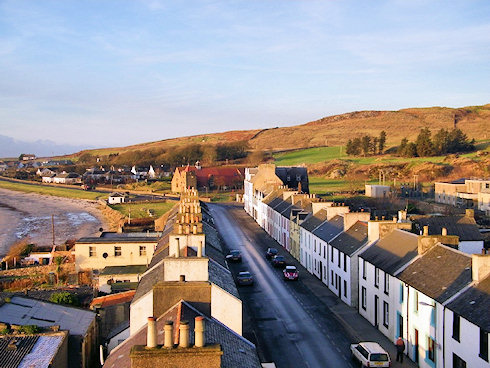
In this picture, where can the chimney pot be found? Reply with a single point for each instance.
(182, 278)
(184, 334)
(444, 231)
(199, 249)
(199, 332)
(151, 336)
(426, 230)
(168, 329)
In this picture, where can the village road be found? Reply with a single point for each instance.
(290, 326)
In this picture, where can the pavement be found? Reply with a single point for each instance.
(355, 325)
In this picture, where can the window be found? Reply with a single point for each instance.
(376, 277)
(331, 254)
(387, 284)
(364, 269)
(142, 250)
(345, 262)
(324, 252)
(314, 245)
(456, 326)
(331, 277)
(416, 301)
(458, 362)
(431, 353)
(363, 351)
(363, 298)
(345, 288)
(92, 252)
(117, 251)
(386, 314)
(338, 258)
(483, 345)
(401, 293)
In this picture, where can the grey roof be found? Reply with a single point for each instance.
(114, 235)
(393, 251)
(453, 272)
(353, 239)
(275, 202)
(313, 221)
(147, 281)
(474, 304)
(123, 270)
(115, 240)
(237, 351)
(213, 244)
(463, 226)
(27, 311)
(330, 229)
(289, 176)
(118, 329)
(222, 277)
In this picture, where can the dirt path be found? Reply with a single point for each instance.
(29, 214)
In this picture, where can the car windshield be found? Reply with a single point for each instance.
(291, 269)
(279, 258)
(378, 357)
(273, 250)
(244, 274)
(234, 253)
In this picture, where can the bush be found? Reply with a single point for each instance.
(64, 297)
(29, 329)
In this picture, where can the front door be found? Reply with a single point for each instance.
(416, 347)
(376, 302)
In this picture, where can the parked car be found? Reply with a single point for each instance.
(278, 261)
(290, 273)
(271, 253)
(234, 256)
(370, 354)
(245, 278)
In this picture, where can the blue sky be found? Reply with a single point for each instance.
(113, 73)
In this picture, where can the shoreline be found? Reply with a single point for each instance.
(29, 215)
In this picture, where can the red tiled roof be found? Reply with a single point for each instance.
(113, 299)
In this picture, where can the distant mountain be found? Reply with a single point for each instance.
(10, 147)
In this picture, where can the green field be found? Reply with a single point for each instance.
(320, 154)
(141, 210)
(320, 185)
(53, 191)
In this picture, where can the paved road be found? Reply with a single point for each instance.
(288, 323)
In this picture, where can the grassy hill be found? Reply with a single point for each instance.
(336, 130)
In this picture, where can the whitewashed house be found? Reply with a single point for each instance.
(307, 240)
(467, 320)
(432, 279)
(116, 198)
(378, 288)
(67, 178)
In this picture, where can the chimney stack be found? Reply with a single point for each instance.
(168, 329)
(184, 334)
(470, 213)
(151, 336)
(182, 278)
(200, 340)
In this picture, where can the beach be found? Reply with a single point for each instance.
(30, 215)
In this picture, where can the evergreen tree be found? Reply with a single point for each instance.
(441, 142)
(424, 144)
(381, 142)
(374, 145)
(348, 147)
(365, 144)
(410, 150)
(402, 146)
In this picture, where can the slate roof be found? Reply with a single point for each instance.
(26, 311)
(330, 229)
(123, 270)
(289, 176)
(31, 351)
(237, 351)
(453, 273)
(463, 226)
(474, 304)
(393, 251)
(222, 277)
(213, 244)
(148, 280)
(313, 221)
(276, 201)
(353, 239)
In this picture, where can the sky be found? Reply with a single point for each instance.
(118, 72)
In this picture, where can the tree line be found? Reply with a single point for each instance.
(367, 145)
(443, 142)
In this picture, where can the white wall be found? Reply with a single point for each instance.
(193, 268)
(116, 340)
(471, 247)
(226, 308)
(140, 311)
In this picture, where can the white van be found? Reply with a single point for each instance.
(370, 354)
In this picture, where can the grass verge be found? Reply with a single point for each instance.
(53, 191)
(142, 210)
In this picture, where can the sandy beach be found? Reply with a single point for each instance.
(29, 215)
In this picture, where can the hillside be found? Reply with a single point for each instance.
(335, 130)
